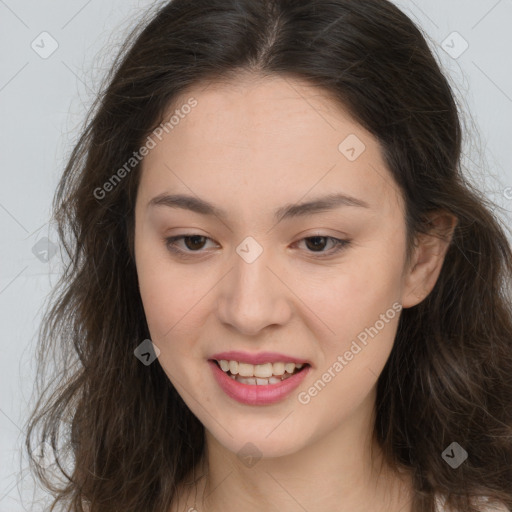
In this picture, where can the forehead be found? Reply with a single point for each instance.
(269, 140)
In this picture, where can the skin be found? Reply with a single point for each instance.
(250, 147)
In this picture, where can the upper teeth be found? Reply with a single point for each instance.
(258, 370)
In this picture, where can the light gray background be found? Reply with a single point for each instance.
(44, 100)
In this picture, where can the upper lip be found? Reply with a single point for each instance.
(259, 358)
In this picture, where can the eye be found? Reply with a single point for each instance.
(318, 242)
(194, 243)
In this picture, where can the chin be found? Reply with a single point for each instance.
(263, 440)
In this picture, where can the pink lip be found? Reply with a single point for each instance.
(261, 358)
(254, 394)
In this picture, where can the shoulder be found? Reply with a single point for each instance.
(485, 504)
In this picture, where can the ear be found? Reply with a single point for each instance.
(428, 257)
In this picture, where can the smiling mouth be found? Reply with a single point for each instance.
(269, 373)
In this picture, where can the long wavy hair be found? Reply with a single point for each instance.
(129, 435)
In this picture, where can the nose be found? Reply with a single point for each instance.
(254, 296)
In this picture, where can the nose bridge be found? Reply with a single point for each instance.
(252, 297)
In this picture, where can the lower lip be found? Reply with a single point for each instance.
(254, 394)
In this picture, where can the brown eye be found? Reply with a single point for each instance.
(196, 242)
(193, 243)
(316, 242)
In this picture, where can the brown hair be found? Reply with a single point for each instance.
(449, 375)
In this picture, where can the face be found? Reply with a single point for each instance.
(320, 284)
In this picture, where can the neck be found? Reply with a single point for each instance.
(343, 471)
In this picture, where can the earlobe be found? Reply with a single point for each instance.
(428, 257)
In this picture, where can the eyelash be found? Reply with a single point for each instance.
(339, 245)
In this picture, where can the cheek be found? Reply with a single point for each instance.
(364, 319)
(355, 294)
(165, 308)
(175, 301)
(361, 307)
(171, 310)
(164, 292)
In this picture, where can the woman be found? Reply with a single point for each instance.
(225, 358)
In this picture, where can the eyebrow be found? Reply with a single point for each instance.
(318, 205)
